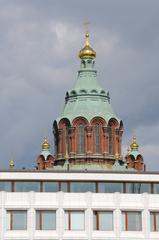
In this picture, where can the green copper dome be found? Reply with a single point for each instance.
(87, 98)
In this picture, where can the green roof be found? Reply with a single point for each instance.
(87, 98)
(135, 153)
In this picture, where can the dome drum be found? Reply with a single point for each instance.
(87, 134)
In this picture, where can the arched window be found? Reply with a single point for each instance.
(97, 138)
(110, 140)
(81, 147)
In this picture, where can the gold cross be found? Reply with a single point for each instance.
(134, 133)
(86, 25)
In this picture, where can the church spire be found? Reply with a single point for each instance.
(87, 98)
(88, 114)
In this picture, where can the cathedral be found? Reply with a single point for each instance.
(87, 189)
(88, 134)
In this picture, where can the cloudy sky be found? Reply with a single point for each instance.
(39, 44)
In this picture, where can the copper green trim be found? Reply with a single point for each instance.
(87, 98)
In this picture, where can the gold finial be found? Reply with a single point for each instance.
(66, 154)
(87, 39)
(134, 145)
(116, 151)
(116, 156)
(11, 164)
(86, 24)
(45, 144)
(87, 51)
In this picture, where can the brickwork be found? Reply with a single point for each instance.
(88, 138)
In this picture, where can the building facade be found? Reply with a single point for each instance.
(87, 190)
(79, 205)
(88, 133)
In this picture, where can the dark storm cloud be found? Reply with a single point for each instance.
(39, 44)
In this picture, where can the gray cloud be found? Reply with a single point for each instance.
(39, 44)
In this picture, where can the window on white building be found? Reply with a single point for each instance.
(5, 186)
(64, 186)
(131, 221)
(45, 220)
(27, 186)
(103, 220)
(138, 187)
(82, 187)
(74, 220)
(50, 186)
(16, 220)
(156, 188)
(110, 187)
(154, 221)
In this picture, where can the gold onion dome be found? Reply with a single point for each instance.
(45, 144)
(11, 163)
(87, 51)
(134, 145)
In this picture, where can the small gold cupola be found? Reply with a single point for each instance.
(87, 51)
(45, 145)
(134, 145)
(11, 164)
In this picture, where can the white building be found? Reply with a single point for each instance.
(79, 205)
